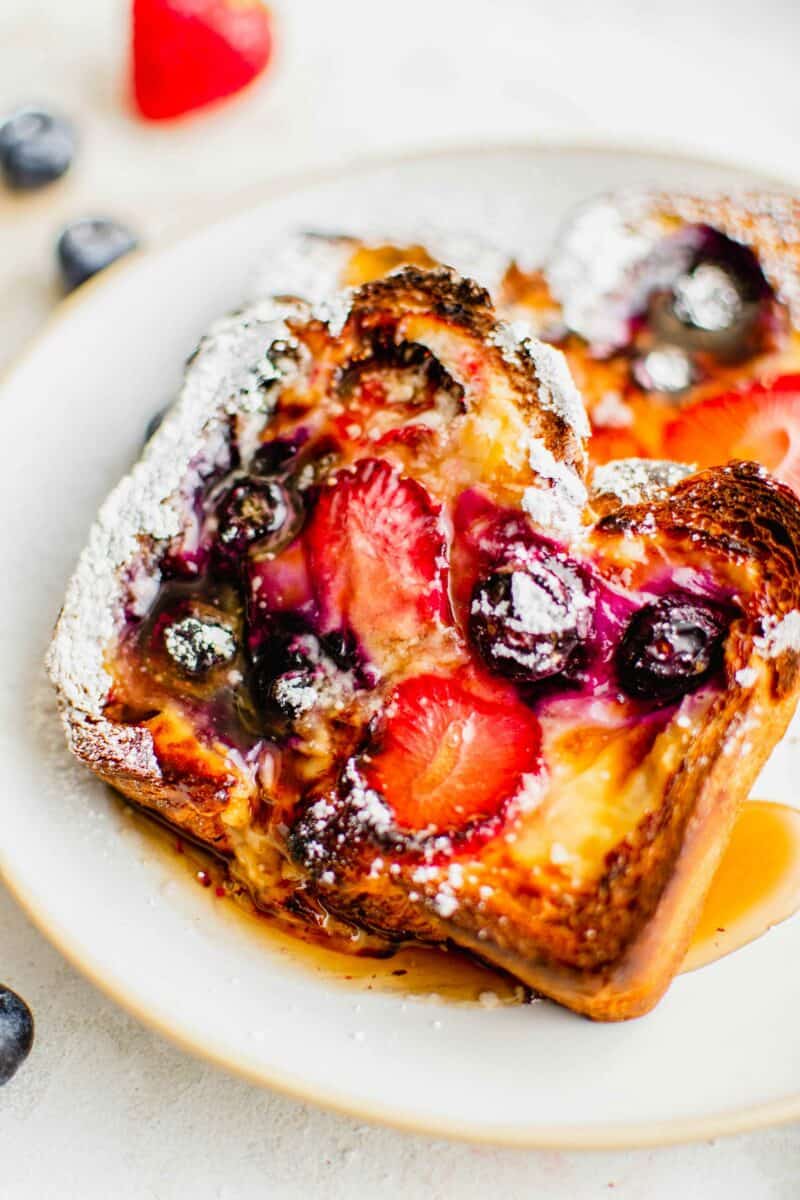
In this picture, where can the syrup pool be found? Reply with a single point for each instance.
(756, 886)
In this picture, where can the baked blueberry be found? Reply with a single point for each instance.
(252, 512)
(272, 458)
(527, 621)
(671, 646)
(16, 1033)
(289, 669)
(197, 646)
(342, 647)
(667, 369)
(36, 147)
(90, 245)
(714, 304)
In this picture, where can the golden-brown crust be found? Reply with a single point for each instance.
(632, 984)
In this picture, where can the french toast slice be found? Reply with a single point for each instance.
(680, 318)
(357, 622)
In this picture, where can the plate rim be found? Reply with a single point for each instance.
(563, 1136)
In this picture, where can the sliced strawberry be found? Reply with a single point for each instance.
(607, 444)
(760, 422)
(376, 554)
(189, 53)
(451, 755)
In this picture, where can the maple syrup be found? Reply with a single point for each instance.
(757, 885)
(413, 970)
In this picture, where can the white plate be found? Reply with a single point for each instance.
(720, 1053)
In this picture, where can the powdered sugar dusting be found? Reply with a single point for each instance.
(612, 412)
(309, 266)
(557, 392)
(313, 265)
(557, 499)
(636, 480)
(231, 373)
(780, 636)
(746, 676)
(595, 268)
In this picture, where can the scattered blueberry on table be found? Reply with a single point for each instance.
(16, 1033)
(36, 147)
(90, 245)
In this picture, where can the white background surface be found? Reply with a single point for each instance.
(103, 1107)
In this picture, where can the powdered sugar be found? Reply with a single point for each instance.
(746, 676)
(556, 392)
(780, 636)
(596, 269)
(314, 265)
(231, 373)
(611, 412)
(557, 499)
(637, 480)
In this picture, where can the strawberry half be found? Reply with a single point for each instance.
(451, 757)
(760, 422)
(189, 53)
(376, 551)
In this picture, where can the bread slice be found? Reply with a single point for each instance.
(665, 300)
(357, 621)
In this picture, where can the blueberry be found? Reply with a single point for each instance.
(529, 620)
(671, 647)
(197, 646)
(271, 458)
(254, 512)
(667, 369)
(90, 245)
(707, 298)
(289, 670)
(714, 305)
(342, 647)
(35, 148)
(16, 1033)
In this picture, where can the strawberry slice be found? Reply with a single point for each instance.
(759, 422)
(189, 53)
(450, 756)
(608, 444)
(376, 551)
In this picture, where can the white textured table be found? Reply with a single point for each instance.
(104, 1107)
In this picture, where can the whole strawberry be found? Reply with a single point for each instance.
(190, 53)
